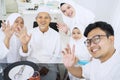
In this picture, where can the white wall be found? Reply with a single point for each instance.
(103, 9)
(2, 8)
(106, 10)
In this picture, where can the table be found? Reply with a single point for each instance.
(62, 72)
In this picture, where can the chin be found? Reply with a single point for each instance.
(71, 16)
(96, 57)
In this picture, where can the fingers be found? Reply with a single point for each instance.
(67, 50)
(29, 37)
(73, 50)
(17, 34)
(60, 25)
(8, 24)
(63, 53)
(3, 25)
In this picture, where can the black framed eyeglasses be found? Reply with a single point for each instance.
(95, 39)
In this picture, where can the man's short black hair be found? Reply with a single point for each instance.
(107, 28)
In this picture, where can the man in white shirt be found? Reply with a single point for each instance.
(44, 46)
(106, 59)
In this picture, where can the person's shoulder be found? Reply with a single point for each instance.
(34, 29)
(117, 53)
(53, 31)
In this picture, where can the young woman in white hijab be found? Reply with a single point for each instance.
(74, 15)
(81, 52)
(14, 35)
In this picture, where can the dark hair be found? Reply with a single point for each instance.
(62, 4)
(107, 28)
(75, 28)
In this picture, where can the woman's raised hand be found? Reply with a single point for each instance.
(62, 27)
(7, 29)
(22, 34)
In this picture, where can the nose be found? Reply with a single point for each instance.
(43, 20)
(67, 11)
(92, 44)
(20, 25)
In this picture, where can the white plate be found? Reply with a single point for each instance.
(24, 69)
(21, 72)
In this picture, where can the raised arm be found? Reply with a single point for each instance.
(24, 38)
(69, 61)
(8, 31)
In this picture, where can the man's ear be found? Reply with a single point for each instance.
(111, 38)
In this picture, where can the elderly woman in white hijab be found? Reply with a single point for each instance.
(14, 35)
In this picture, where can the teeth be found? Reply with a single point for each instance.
(43, 23)
(94, 50)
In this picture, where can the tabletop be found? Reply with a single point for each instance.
(61, 70)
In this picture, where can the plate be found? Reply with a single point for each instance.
(21, 70)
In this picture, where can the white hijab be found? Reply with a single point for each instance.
(82, 17)
(11, 18)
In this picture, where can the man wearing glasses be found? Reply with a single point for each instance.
(105, 64)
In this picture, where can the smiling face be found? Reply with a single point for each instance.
(76, 34)
(104, 48)
(43, 19)
(68, 10)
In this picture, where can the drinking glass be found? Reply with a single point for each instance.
(35, 76)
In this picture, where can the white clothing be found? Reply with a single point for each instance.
(108, 70)
(12, 54)
(12, 18)
(82, 17)
(81, 51)
(44, 47)
(4, 50)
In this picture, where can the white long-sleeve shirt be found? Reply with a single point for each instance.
(12, 54)
(108, 70)
(44, 47)
(3, 50)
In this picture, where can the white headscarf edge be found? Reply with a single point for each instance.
(12, 17)
(72, 3)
